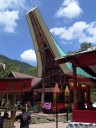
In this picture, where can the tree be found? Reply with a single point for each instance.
(85, 46)
(32, 71)
(10, 67)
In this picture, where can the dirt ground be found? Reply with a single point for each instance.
(45, 121)
(44, 125)
(41, 120)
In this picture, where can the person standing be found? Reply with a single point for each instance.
(24, 118)
(1, 121)
(3, 102)
(18, 104)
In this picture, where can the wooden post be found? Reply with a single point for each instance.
(88, 95)
(7, 102)
(79, 92)
(43, 76)
(67, 100)
(26, 108)
(13, 112)
(75, 87)
(56, 92)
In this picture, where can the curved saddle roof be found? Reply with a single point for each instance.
(35, 19)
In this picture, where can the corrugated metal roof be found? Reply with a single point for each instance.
(21, 75)
(91, 49)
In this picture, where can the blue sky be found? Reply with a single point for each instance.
(71, 22)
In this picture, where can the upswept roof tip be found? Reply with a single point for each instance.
(31, 10)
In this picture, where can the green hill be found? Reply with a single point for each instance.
(15, 65)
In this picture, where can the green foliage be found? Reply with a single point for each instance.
(32, 70)
(18, 66)
(85, 45)
(93, 94)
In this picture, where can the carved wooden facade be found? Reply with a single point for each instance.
(51, 73)
(46, 51)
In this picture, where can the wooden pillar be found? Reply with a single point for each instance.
(79, 92)
(75, 87)
(13, 111)
(43, 93)
(88, 95)
(43, 76)
(56, 92)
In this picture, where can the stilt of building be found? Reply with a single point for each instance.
(75, 87)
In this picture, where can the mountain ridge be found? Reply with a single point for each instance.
(16, 65)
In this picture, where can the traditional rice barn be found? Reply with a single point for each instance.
(35, 83)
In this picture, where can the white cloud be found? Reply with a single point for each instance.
(8, 20)
(63, 42)
(80, 31)
(18, 4)
(71, 32)
(11, 4)
(28, 55)
(69, 9)
(12, 10)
